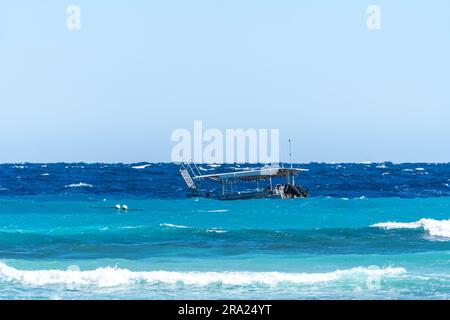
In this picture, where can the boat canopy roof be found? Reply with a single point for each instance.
(256, 174)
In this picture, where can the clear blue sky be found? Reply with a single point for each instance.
(115, 90)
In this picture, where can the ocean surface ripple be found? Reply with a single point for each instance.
(368, 231)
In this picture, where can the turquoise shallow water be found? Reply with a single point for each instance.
(315, 248)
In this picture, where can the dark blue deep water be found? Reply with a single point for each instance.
(162, 180)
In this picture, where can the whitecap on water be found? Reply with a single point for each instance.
(170, 225)
(79, 185)
(216, 230)
(131, 227)
(437, 228)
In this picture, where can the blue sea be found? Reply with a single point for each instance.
(367, 231)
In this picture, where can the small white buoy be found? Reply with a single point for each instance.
(125, 207)
(117, 206)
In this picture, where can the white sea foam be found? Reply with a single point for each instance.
(216, 230)
(79, 185)
(142, 166)
(113, 276)
(437, 228)
(45, 174)
(382, 166)
(170, 225)
(214, 210)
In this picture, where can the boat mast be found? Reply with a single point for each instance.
(290, 152)
(290, 159)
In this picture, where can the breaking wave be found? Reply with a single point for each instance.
(216, 230)
(170, 225)
(113, 276)
(438, 228)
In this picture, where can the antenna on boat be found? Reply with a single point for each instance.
(290, 152)
(290, 159)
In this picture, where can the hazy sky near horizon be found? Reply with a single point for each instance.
(115, 90)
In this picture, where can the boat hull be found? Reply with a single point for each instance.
(268, 194)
